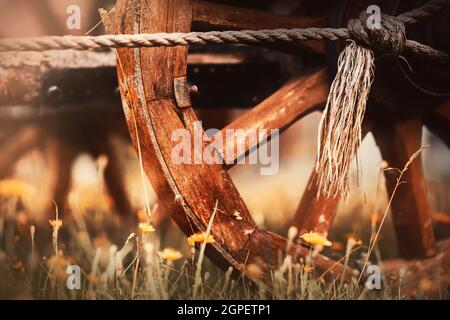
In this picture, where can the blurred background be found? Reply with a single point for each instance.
(85, 162)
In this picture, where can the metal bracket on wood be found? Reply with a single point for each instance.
(182, 92)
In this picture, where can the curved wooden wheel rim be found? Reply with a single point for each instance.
(192, 192)
(189, 192)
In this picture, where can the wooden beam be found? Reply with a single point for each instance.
(22, 75)
(209, 16)
(26, 77)
(214, 16)
(59, 158)
(113, 175)
(296, 99)
(411, 214)
(317, 213)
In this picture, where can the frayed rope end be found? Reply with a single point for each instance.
(340, 127)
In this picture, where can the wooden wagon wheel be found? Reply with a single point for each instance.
(190, 191)
(156, 102)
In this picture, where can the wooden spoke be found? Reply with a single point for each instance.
(299, 97)
(191, 192)
(15, 146)
(209, 16)
(317, 213)
(59, 157)
(439, 123)
(411, 215)
(113, 174)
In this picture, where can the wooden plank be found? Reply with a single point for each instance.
(411, 215)
(209, 16)
(22, 75)
(317, 213)
(214, 16)
(296, 99)
(25, 78)
(113, 175)
(188, 191)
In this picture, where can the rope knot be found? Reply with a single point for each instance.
(387, 41)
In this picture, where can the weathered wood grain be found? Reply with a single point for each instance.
(317, 213)
(188, 191)
(411, 214)
(209, 16)
(296, 99)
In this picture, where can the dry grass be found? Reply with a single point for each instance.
(120, 260)
(133, 269)
(130, 263)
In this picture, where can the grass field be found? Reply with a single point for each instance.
(127, 260)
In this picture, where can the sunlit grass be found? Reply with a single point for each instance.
(138, 259)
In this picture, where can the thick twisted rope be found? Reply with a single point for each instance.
(426, 11)
(216, 37)
(171, 39)
(341, 125)
(250, 37)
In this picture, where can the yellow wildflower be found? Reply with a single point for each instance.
(375, 218)
(353, 240)
(170, 254)
(56, 224)
(16, 188)
(316, 239)
(254, 270)
(200, 237)
(308, 269)
(142, 215)
(146, 227)
(442, 218)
